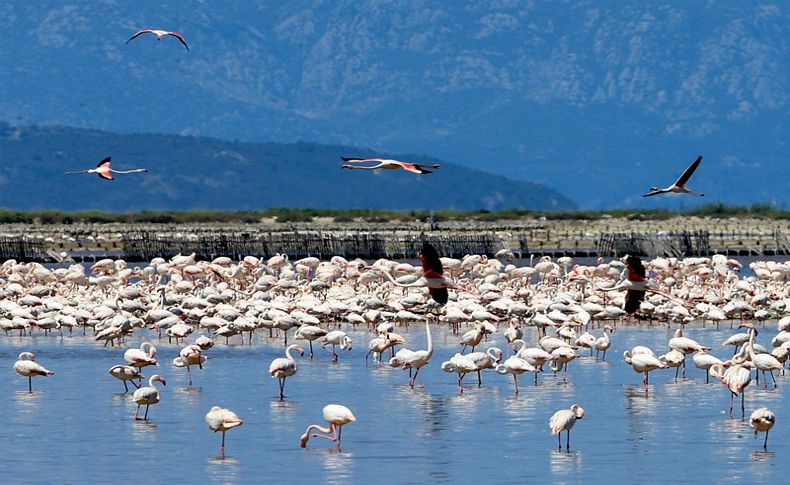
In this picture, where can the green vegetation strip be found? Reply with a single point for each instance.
(7, 216)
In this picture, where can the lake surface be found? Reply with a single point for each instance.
(77, 425)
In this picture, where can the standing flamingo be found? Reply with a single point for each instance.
(337, 416)
(336, 337)
(284, 367)
(28, 367)
(104, 171)
(408, 359)
(762, 420)
(679, 187)
(515, 365)
(221, 419)
(188, 356)
(147, 395)
(389, 164)
(126, 373)
(563, 420)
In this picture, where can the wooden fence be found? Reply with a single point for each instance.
(678, 244)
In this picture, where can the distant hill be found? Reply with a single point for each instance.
(188, 172)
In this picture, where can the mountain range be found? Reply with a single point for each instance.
(597, 99)
(188, 172)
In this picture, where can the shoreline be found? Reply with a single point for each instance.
(608, 237)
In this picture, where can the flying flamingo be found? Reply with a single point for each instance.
(283, 367)
(431, 275)
(159, 34)
(221, 419)
(28, 367)
(147, 395)
(337, 416)
(104, 171)
(679, 187)
(762, 420)
(389, 164)
(563, 420)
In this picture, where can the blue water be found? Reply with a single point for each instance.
(77, 425)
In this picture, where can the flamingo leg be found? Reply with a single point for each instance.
(282, 387)
(29, 384)
(189, 373)
(479, 380)
(125, 387)
(732, 397)
(515, 383)
(559, 441)
(743, 404)
(311, 348)
(773, 378)
(145, 418)
(765, 443)
(568, 440)
(222, 446)
(137, 413)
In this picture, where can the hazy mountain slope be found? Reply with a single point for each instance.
(597, 99)
(197, 172)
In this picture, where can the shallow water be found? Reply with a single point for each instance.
(77, 425)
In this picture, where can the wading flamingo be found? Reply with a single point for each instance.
(762, 420)
(337, 416)
(563, 420)
(221, 419)
(28, 367)
(147, 395)
(126, 373)
(284, 367)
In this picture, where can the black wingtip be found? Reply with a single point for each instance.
(349, 159)
(103, 161)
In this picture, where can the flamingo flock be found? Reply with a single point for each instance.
(549, 315)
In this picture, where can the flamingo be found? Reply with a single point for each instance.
(337, 416)
(282, 368)
(104, 171)
(431, 275)
(736, 378)
(159, 34)
(309, 333)
(336, 337)
(460, 364)
(222, 419)
(643, 363)
(762, 420)
(563, 420)
(147, 395)
(28, 367)
(603, 343)
(389, 164)
(126, 373)
(409, 359)
(144, 356)
(515, 365)
(188, 356)
(704, 361)
(679, 187)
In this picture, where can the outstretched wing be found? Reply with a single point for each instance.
(361, 160)
(414, 168)
(104, 169)
(138, 34)
(689, 171)
(104, 163)
(179, 37)
(651, 193)
(439, 295)
(430, 259)
(633, 299)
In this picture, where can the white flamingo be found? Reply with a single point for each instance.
(563, 420)
(222, 419)
(762, 420)
(188, 356)
(284, 367)
(126, 373)
(679, 187)
(409, 359)
(103, 170)
(337, 416)
(159, 34)
(28, 367)
(147, 395)
(514, 366)
(389, 164)
(336, 338)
